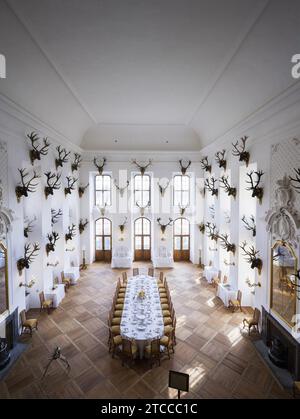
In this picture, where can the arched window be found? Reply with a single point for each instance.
(181, 239)
(142, 190)
(103, 228)
(142, 239)
(181, 190)
(103, 190)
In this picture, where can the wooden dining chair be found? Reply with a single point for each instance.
(151, 272)
(161, 277)
(252, 322)
(28, 324)
(124, 278)
(135, 271)
(128, 351)
(153, 351)
(45, 304)
(236, 304)
(167, 342)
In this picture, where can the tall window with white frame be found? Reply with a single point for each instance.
(142, 190)
(103, 187)
(181, 190)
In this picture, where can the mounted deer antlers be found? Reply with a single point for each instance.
(182, 208)
(142, 167)
(212, 231)
(62, 158)
(71, 233)
(52, 238)
(121, 190)
(55, 216)
(250, 225)
(201, 228)
(163, 188)
(239, 150)
(229, 247)
(142, 208)
(82, 189)
(30, 252)
(76, 162)
(257, 191)
(223, 182)
(26, 186)
(184, 167)
(251, 257)
(71, 182)
(204, 164)
(122, 226)
(28, 228)
(296, 179)
(210, 186)
(53, 183)
(164, 226)
(220, 159)
(82, 225)
(100, 163)
(37, 150)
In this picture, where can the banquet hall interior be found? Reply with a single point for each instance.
(149, 199)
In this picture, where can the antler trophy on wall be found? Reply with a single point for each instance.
(71, 185)
(211, 228)
(100, 163)
(163, 187)
(122, 227)
(121, 190)
(257, 191)
(252, 257)
(210, 186)
(296, 180)
(53, 183)
(225, 243)
(143, 208)
(82, 225)
(163, 227)
(182, 208)
(224, 183)
(250, 224)
(63, 157)
(71, 233)
(82, 189)
(27, 186)
(201, 227)
(220, 159)
(184, 165)
(76, 162)
(28, 227)
(37, 150)
(55, 216)
(239, 150)
(30, 252)
(143, 167)
(205, 165)
(52, 239)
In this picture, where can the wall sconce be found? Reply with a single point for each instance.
(253, 285)
(29, 285)
(213, 249)
(53, 264)
(228, 263)
(70, 249)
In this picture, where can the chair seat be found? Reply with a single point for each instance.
(66, 281)
(168, 329)
(116, 321)
(166, 313)
(167, 321)
(165, 306)
(31, 323)
(117, 340)
(119, 306)
(47, 303)
(115, 330)
(235, 302)
(118, 313)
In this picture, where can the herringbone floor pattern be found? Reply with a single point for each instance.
(211, 347)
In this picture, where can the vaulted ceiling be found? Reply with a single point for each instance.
(146, 74)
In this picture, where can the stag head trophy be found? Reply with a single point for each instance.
(257, 191)
(71, 233)
(251, 256)
(224, 183)
(53, 183)
(71, 185)
(30, 252)
(82, 189)
(296, 180)
(55, 216)
(63, 157)
(182, 208)
(28, 185)
(37, 150)
(164, 226)
(163, 188)
(122, 226)
(239, 150)
(100, 163)
(204, 164)
(250, 224)
(184, 165)
(121, 190)
(220, 159)
(212, 231)
(82, 225)
(52, 239)
(28, 227)
(210, 186)
(229, 247)
(142, 208)
(142, 168)
(201, 228)
(76, 162)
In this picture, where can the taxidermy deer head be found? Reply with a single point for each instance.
(201, 228)
(37, 150)
(239, 150)
(52, 239)
(210, 186)
(212, 231)
(71, 233)
(71, 185)
(163, 188)
(220, 159)
(142, 208)
(296, 180)
(184, 166)
(122, 226)
(204, 164)
(229, 247)
(164, 226)
(257, 191)
(82, 189)
(142, 168)
(28, 227)
(223, 182)
(26, 185)
(251, 257)
(121, 190)
(62, 158)
(100, 163)
(250, 225)
(30, 252)
(82, 225)
(182, 209)
(53, 183)
(55, 216)
(76, 162)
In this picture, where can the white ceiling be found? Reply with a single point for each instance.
(157, 75)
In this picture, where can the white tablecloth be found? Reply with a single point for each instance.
(210, 272)
(142, 319)
(73, 274)
(226, 293)
(56, 295)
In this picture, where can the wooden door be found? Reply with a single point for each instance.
(103, 240)
(181, 240)
(142, 239)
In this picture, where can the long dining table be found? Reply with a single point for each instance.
(142, 318)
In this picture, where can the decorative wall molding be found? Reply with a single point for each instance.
(6, 217)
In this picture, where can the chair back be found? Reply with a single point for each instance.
(135, 271)
(161, 276)
(150, 272)
(126, 347)
(119, 283)
(239, 296)
(42, 297)
(124, 276)
(256, 315)
(23, 316)
(174, 321)
(155, 347)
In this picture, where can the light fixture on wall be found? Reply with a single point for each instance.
(228, 263)
(29, 285)
(253, 284)
(53, 264)
(70, 249)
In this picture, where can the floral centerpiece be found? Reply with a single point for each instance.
(141, 295)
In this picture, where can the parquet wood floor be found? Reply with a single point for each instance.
(211, 347)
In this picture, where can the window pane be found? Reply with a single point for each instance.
(99, 182)
(138, 243)
(146, 226)
(99, 227)
(185, 227)
(106, 182)
(146, 198)
(177, 183)
(106, 243)
(107, 225)
(98, 198)
(177, 198)
(138, 182)
(177, 227)
(106, 200)
(185, 198)
(99, 243)
(146, 243)
(177, 243)
(185, 243)
(185, 183)
(138, 198)
(138, 226)
(146, 183)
